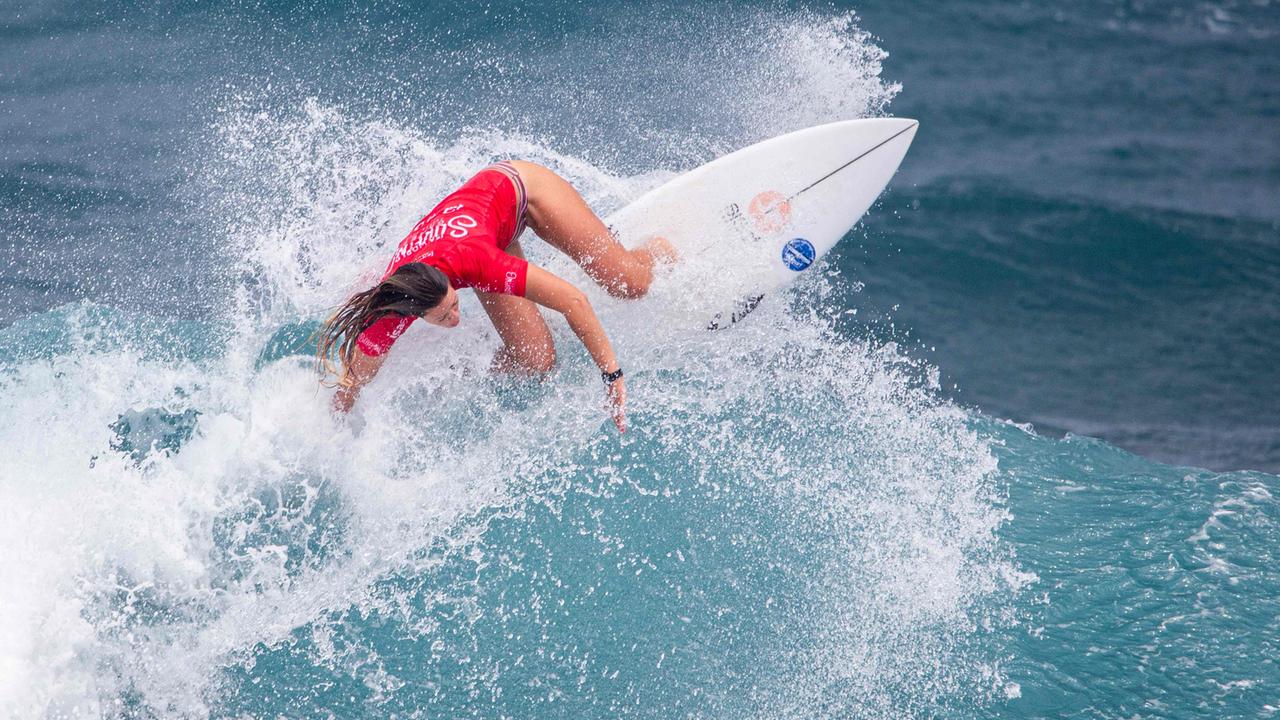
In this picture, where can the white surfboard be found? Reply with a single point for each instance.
(749, 223)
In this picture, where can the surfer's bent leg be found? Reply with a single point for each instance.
(559, 215)
(527, 346)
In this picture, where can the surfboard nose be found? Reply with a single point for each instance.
(754, 220)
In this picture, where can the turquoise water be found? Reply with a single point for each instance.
(956, 471)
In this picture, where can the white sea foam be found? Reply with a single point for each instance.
(149, 578)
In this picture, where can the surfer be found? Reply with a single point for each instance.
(470, 240)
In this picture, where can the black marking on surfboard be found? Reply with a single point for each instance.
(882, 143)
(732, 215)
(741, 309)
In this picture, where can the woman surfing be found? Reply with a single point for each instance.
(470, 240)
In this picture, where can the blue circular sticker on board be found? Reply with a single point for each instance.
(798, 254)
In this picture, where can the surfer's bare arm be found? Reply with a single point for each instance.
(362, 369)
(550, 291)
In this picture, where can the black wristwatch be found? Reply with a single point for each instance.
(611, 377)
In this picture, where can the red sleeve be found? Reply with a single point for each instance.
(497, 272)
(381, 335)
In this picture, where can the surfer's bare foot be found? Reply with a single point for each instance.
(662, 251)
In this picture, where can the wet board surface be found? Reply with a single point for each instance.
(751, 222)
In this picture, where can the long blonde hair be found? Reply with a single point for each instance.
(411, 290)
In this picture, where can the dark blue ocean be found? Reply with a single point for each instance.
(1008, 452)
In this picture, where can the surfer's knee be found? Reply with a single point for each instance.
(527, 358)
(543, 360)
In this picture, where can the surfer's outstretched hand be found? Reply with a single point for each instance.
(617, 394)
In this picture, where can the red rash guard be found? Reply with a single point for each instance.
(464, 236)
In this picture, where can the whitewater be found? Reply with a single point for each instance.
(804, 519)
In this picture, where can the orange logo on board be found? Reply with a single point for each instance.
(769, 212)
